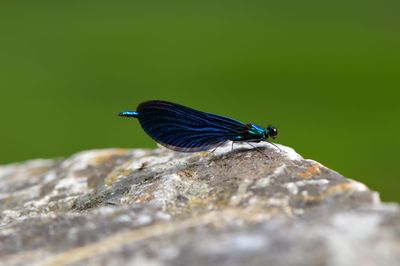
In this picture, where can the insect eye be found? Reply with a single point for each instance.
(272, 131)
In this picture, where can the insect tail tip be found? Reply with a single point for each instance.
(128, 114)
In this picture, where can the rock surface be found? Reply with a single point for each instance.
(159, 207)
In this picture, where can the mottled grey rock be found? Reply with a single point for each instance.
(159, 207)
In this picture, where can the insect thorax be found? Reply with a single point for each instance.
(253, 132)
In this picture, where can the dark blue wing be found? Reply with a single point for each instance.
(184, 129)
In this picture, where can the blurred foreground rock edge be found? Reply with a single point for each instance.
(159, 207)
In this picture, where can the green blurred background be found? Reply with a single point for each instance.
(326, 73)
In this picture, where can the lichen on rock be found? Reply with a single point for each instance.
(159, 207)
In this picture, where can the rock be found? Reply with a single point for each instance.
(159, 207)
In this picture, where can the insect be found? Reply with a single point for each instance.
(184, 129)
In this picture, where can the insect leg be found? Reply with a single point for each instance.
(274, 146)
(257, 149)
(219, 145)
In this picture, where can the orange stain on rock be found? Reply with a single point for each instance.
(312, 170)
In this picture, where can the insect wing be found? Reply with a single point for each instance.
(184, 129)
